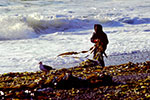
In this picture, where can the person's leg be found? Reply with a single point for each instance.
(95, 51)
(101, 60)
(102, 63)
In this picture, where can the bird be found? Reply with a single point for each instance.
(45, 67)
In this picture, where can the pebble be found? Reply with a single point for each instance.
(129, 81)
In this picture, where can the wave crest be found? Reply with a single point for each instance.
(58, 24)
(135, 20)
(12, 29)
(25, 27)
(29, 27)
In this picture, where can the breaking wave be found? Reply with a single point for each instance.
(12, 28)
(20, 27)
(135, 20)
(111, 23)
(58, 24)
(30, 27)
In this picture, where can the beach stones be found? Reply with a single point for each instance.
(89, 63)
(87, 80)
(39, 79)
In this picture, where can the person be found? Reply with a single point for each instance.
(101, 41)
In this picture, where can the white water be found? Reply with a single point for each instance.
(39, 30)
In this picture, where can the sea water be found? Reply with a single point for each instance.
(38, 30)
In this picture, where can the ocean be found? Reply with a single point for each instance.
(38, 30)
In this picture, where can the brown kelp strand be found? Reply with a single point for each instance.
(86, 81)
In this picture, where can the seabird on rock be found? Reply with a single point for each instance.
(45, 67)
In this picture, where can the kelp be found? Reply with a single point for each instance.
(99, 51)
(74, 53)
(68, 53)
(86, 81)
(97, 47)
(77, 77)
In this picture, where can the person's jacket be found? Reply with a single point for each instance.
(102, 37)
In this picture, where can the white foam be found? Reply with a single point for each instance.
(13, 28)
(33, 25)
(68, 27)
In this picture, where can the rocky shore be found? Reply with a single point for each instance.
(87, 82)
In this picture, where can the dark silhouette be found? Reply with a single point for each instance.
(100, 39)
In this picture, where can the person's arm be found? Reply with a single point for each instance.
(94, 38)
(106, 39)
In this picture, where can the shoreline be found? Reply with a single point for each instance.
(87, 81)
(122, 58)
